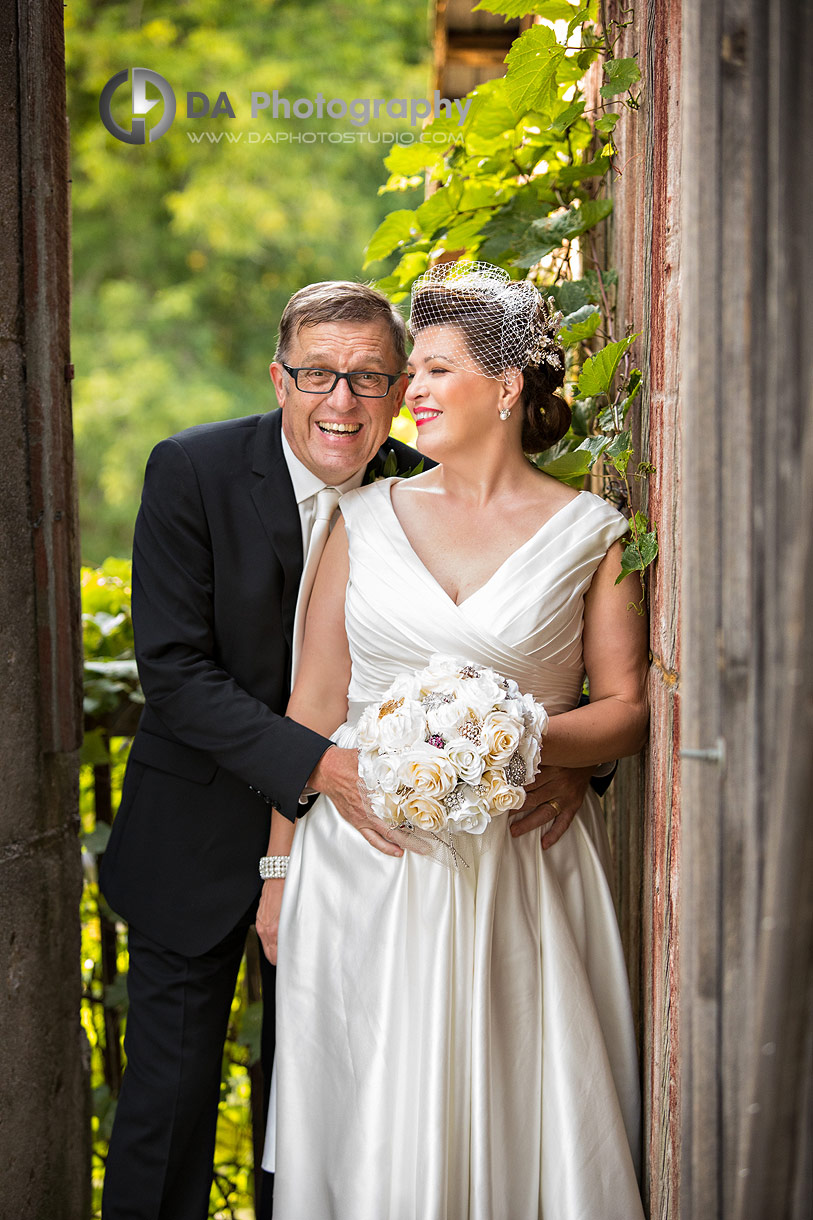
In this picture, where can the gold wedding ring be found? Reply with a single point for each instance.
(555, 805)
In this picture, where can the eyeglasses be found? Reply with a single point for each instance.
(323, 381)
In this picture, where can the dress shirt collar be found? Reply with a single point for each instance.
(306, 483)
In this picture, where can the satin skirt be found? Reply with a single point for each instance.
(453, 1045)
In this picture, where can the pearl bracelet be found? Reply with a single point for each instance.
(273, 866)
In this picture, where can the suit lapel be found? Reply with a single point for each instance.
(273, 497)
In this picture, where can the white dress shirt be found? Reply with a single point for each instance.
(307, 486)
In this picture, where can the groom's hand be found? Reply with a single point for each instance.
(337, 776)
(566, 786)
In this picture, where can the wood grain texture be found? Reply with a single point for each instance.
(44, 1094)
(746, 342)
(644, 808)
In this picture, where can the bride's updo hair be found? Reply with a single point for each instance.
(546, 414)
(507, 328)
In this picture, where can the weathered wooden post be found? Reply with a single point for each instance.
(747, 714)
(44, 1129)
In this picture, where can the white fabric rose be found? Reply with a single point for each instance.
(401, 722)
(380, 771)
(480, 694)
(529, 752)
(405, 686)
(466, 759)
(501, 736)
(536, 718)
(388, 807)
(367, 727)
(427, 770)
(473, 823)
(440, 672)
(445, 717)
(470, 813)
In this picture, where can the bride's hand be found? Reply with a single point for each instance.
(267, 920)
(566, 786)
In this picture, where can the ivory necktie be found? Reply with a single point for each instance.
(326, 501)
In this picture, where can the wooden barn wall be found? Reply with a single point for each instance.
(44, 1092)
(643, 807)
(747, 507)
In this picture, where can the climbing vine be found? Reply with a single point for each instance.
(522, 183)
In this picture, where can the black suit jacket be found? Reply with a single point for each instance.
(217, 562)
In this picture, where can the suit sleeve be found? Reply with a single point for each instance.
(173, 620)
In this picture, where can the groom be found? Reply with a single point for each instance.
(224, 529)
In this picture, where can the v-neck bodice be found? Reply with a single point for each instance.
(500, 570)
(525, 620)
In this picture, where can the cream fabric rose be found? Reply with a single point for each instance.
(427, 770)
(424, 811)
(466, 759)
(501, 736)
(501, 796)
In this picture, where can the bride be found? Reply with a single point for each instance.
(458, 1045)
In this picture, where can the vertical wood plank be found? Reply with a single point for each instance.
(44, 1092)
(748, 503)
(644, 808)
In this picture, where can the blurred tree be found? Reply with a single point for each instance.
(185, 252)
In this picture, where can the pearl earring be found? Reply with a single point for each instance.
(505, 413)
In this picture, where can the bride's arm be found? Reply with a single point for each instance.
(615, 642)
(319, 701)
(319, 697)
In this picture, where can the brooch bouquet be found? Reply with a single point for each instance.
(447, 749)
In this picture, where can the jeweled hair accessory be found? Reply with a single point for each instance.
(506, 324)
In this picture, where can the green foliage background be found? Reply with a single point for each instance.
(185, 254)
(111, 682)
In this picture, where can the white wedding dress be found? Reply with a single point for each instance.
(456, 1045)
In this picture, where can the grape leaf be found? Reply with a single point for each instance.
(533, 61)
(580, 325)
(597, 375)
(621, 75)
(394, 230)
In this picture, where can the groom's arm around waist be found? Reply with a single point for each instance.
(194, 696)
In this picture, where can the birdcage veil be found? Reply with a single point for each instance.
(503, 325)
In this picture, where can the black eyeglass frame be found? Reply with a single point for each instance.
(337, 377)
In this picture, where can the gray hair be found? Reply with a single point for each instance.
(340, 301)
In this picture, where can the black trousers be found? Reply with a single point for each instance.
(159, 1164)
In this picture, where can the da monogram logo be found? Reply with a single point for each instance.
(140, 106)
